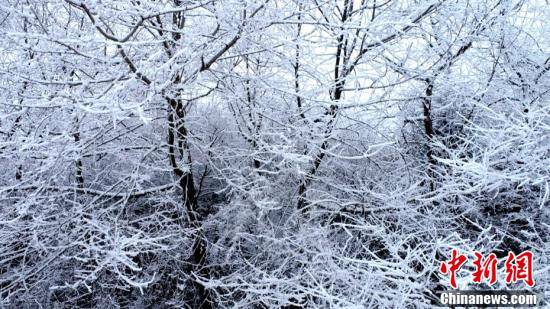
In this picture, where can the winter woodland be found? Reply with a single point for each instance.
(268, 153)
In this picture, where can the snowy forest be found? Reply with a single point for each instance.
(268, 153)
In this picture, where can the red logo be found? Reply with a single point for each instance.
(452, 266)
(520, 267)
(517, 268)
(485, 269)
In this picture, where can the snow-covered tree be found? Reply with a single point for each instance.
(273, 153)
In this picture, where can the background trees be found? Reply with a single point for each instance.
(272, 153)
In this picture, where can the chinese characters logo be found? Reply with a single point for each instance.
(517, 268)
